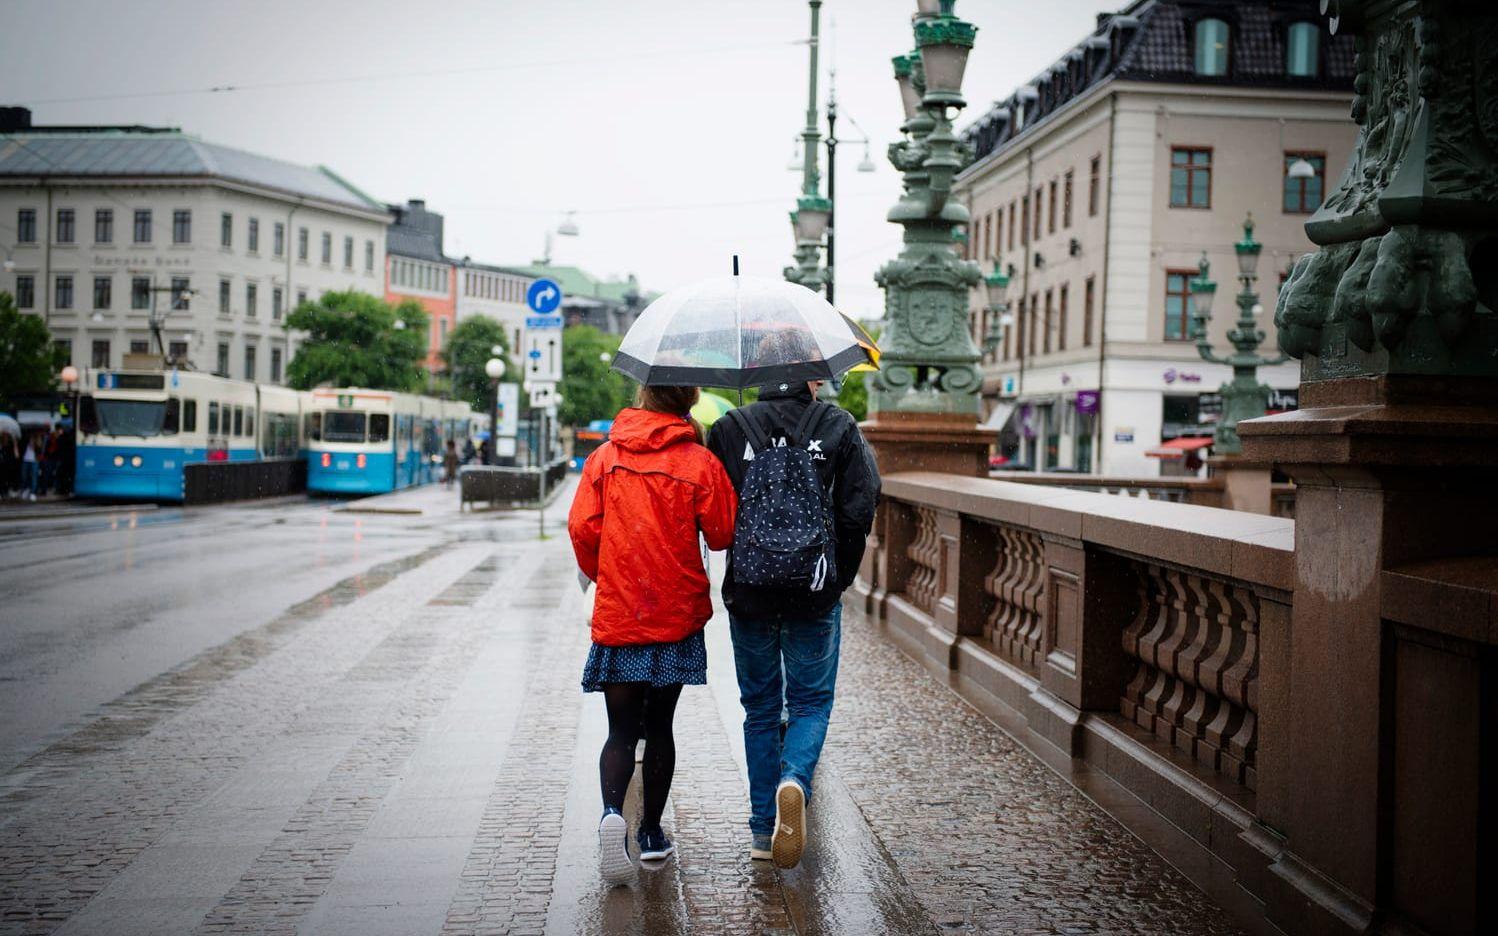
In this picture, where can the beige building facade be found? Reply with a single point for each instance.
(1098, 193)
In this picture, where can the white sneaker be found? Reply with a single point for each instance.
(789, 839)
(613, 849)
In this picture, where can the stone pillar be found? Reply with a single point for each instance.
(1245, 483)
(1385, 815)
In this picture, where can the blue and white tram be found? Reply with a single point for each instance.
(372, 441)
(137, 430)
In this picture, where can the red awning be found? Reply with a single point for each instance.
(1177, 448)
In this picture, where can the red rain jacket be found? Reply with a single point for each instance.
(644, 495)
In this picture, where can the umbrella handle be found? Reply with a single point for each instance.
(735, 264)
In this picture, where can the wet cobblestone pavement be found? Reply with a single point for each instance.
(408, 752)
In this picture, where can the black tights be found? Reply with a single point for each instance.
(635, 707)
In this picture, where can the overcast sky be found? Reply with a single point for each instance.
(666, 124)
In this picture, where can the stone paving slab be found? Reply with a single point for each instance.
(420, 759)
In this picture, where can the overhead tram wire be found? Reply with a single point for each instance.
(403, 76)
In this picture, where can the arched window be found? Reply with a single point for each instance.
(1211, 47)
(1302, 45)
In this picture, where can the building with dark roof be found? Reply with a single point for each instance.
(104, 229)
(416, 269)
(1099, 183)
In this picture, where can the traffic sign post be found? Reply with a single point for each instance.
(542, 362)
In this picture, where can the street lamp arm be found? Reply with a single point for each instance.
(1204, 348)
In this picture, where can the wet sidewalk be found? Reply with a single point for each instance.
(410, 753)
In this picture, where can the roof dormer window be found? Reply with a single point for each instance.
(1302, 50)
(1211, 47)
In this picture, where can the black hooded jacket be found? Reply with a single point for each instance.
(846, 467)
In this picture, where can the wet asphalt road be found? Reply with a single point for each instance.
(286, 718)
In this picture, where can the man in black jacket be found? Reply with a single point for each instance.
(785, 643)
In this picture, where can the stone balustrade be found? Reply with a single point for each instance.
(1142, 639)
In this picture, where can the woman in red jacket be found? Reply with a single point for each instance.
(643, 497)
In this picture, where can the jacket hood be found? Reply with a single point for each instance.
(641, 430)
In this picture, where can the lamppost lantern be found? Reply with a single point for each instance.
(1203, 290)
(1300, 168)
(9, 264)
(1248, 250)
(809, 220)
(494, 368)
(910, 98)
(944, 42)
(496, 350)
(996, 284)
(69, 374)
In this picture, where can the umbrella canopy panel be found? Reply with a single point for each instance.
(738, 331)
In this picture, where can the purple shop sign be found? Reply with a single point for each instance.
(1087, 401)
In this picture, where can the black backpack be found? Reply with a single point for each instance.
(783, 535)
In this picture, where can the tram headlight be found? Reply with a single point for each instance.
(119, 461)
(135, 461)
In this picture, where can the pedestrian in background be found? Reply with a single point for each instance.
(643, 498)
(787, 625)
(31, 463)
(53, 457)
(10, 465)
(450, 464)
(67, 461)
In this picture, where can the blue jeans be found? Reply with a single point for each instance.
(30, 477)
(806, 652)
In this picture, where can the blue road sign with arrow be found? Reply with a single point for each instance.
(544, 296)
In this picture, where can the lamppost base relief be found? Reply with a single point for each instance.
(1245, 483)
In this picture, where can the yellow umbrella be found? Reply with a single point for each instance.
(866, 342)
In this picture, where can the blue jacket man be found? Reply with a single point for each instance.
(785, 643)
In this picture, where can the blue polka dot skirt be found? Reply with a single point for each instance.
(660, 664)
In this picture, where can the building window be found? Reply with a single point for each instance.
(369, 256)
(301, 296)
(1087, 301)
(1011, 223)
(275, 303)
(103, 291)
(327, 249)
(100, 356)
(140, 292)
(1303, 196)
(1039, 210)
(998, 233)
(275, 365)
(223, 297)
(1051, 224)
(223, 359)
(180, 293)
(249, 362)
(278, 239)
(63, 292)
(104, 226)
(140, 346)
(1190, 177)
(1212, 47)
(1302, 50)
(181, 226)
(1178, 304)
(25, 292)
(1034, 320)
(226, 230)
(143, 225)
(1061, 321)
(177, 352)
(65, 349)
(65, 232)
(1045, 342)
(1094, 185)
(26, 226)
(442, 333)
(253, 236)
(251, 295)
(1021, 320)
(1024, 227)
(1066, 199)
(301, 244)
(348, 253)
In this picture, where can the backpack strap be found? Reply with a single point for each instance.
(806, 427)
(753, 434)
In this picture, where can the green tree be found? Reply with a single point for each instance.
(469, 348)
(353, 341)
(589, 389)
(29, 361)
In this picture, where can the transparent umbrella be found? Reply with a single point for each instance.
(737, 332)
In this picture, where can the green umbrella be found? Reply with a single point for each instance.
(710, 408)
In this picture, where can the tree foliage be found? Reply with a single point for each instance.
(29, 361)
(352, 341)
(589, 389)
(469, 348)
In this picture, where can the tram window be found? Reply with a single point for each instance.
(379, 427)
(88, 415)
(239, 420)
(170, 420)
(343, 426)
(189, 415)
(314, 427)
(213, 418)
(249, 422)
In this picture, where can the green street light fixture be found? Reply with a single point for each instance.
(809, 220)
(996, 286)
(1243, 397)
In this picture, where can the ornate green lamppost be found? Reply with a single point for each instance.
(996, 286)
(930, 359)
(809, 220)
(1243, 397)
